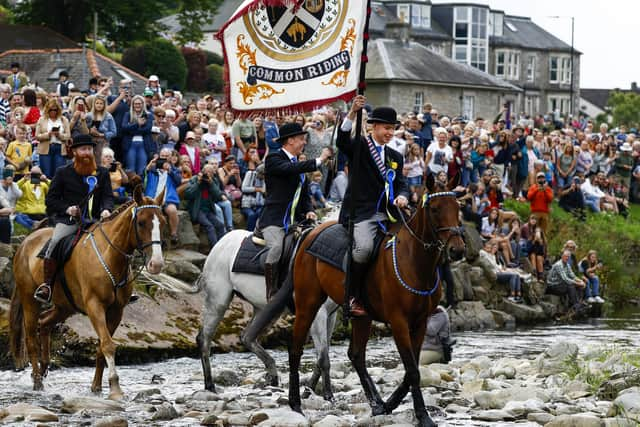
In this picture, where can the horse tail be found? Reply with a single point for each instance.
(16, 330)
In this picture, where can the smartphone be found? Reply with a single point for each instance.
(80, 107)
(35, 178)
(113, 167)
(160, 163)
(55, 129)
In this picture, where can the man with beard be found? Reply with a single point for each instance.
(79, 195)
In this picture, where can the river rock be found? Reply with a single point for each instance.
(71, 405)
(524, 314)
(6, 250)
(471, 315)
(6, 277)
(626, 404)
(280, 417)
(553, 359)
(463, 290)
(187, 237)
(575, 389)
(165, 412)
(503, 320)
(619, 422)
(540, 417)
(473, 241)
(575, 420)
(521, 409)
(25, 412)
(226, 377)
(112, 422)
(182, 254)
(497, 399)
(204, 395)
(492, 415)
(182, 270)
(144, 395)
(332, 421)
(429, 377)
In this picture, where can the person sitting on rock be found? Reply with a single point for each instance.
(437, 344)
(161, 177)
(589, 265)
(562, 281)
(488, 254)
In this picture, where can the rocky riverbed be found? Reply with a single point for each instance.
(581, 375)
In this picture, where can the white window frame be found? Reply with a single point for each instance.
(497, 29)
(404, 12)
(532, 104)
(471, 42)
(510, 64)
(563, 69)
(420, 16)
(418, 101)
(531, 68)
(468, 106)
(561, 101)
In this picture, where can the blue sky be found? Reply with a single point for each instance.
(606, 35)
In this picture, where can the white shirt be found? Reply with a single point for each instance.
(214, 140)
(162, 182)
(440, 157)
(291, 156)
(346, 127)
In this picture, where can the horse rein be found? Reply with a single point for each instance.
(139, 248)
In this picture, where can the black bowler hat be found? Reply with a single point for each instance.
(289, 130)
(15, 65)
(386, 115)
(82, 139)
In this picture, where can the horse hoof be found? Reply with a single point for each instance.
(116, 395)
(38, 385)
(210, 387)
(96, 391)
(426, 422)
(379, 410)
(329, 397)
(272, 380)
(297, 409)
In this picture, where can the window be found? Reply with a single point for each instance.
(122, 73)
(471, 36)
(511, 27)
(531, 68)
(496, 24)
(532, 105)
(561, 103)
(418, 101)
(508, 64)
(404, 13)
(559, 69)
(56, 73)
(420, 16)
(468, 104)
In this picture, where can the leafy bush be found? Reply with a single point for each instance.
(213, 58)
(616, 240)
(215, 82)
(159, 57)
(197, 75)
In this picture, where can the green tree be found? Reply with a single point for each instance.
(625, 108)
(159, 57)
(122, 22)
(215, 81)
(192, 16)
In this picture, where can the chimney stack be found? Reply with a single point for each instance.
(398, 30)
(634, 86)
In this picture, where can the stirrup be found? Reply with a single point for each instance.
(40, 298)
(356, 309)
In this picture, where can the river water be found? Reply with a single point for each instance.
(182, 377)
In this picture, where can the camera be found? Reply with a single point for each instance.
(35, 178)
(114, 167)
(160, 163)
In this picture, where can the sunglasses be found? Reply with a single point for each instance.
(160, 115)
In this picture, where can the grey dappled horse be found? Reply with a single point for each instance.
(220, 284)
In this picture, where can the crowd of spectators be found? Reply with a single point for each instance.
(208, 162)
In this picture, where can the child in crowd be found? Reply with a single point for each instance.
(19, 152)
(214, 142)
(315, 190)
(414, 170)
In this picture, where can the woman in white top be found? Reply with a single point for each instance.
(439, 154)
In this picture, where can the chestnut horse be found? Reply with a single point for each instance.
(98, 286)
(402, 290)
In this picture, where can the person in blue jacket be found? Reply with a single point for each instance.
(161, 176)
(137, 144)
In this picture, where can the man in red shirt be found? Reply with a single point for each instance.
(540, 196)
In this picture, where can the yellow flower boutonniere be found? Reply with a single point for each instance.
(394, 165)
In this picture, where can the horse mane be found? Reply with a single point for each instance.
(123, 207)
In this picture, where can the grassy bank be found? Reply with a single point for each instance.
(616, 239)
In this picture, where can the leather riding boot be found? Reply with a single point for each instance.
(358, 275)
(45, 290)
(271, 279)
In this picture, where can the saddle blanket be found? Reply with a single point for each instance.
(62, 252)
(330, 246)
(250, 258)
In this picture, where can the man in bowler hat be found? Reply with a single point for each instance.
(287, 200)
(380, 169)
(80, 192)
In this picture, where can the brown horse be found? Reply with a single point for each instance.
(402, 290)
(98, 286)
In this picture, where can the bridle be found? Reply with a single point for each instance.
(436, 243)
(139, 249)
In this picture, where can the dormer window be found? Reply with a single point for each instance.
(420, 16)
(404, 12)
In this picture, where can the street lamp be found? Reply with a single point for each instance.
(572, 54)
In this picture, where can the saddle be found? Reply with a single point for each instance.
(62, 252)
(331, 244)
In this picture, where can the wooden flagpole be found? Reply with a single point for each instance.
(353, 182)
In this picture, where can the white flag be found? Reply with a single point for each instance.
(289, 56)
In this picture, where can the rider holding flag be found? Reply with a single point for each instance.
(80, 193)
(287, 200)
(381, 184)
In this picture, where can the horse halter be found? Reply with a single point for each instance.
(140, 246)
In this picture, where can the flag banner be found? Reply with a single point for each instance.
(291, 56)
